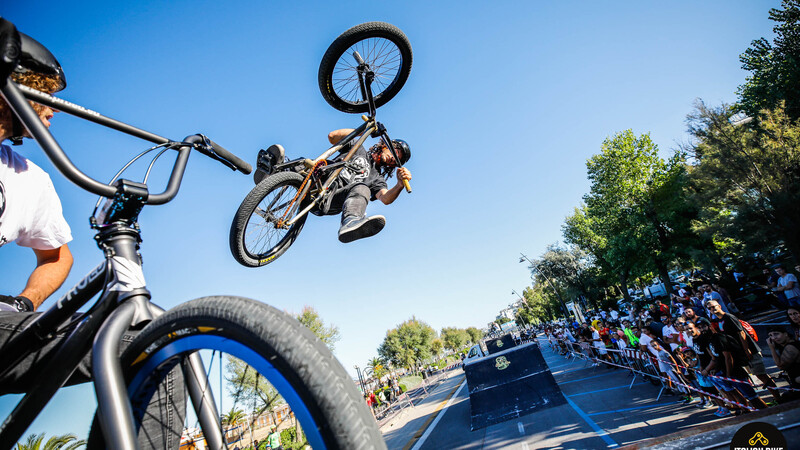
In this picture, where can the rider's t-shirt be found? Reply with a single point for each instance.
(30, 211)
(363, 171)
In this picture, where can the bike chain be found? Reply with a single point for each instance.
(296, 198)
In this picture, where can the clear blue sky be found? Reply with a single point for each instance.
(505, 103)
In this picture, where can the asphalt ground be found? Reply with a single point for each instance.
(607, 408)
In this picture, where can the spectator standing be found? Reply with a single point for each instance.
(732, 326)
(614, 314)
(700, 341)
(787, 284)
(667, 365)
(732, 351)
(669, 333)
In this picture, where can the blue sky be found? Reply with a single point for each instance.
(505, 102)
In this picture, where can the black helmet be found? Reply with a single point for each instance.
(404, 148)
(36, 58)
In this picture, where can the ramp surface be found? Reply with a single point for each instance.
(510, 384)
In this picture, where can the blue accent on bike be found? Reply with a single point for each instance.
(240, 351)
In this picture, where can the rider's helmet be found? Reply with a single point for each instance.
(38, 69)
(405, 150)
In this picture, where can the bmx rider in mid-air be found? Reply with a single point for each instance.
(365, 180)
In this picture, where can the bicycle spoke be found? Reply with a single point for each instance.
(384, 58)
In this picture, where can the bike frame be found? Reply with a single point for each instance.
(124, 302)
(369, 127)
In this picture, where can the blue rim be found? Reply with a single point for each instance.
(240, 351)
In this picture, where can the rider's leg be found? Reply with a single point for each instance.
(355, 224)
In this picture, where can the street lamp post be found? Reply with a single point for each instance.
(558, 294)
(513, 292)
(360, 379)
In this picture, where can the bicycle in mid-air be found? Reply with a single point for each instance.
(264, 351)
(364, 68)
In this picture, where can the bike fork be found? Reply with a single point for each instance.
(114, 408)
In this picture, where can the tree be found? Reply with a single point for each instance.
(775, 68)
(376, 367)
(310, 318)
(748, 176)
(475, 335)
(408, 343)
(503, 320)
(62, 442)
(436, 347)
(454, 338)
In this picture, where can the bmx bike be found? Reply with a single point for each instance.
(364, 68)
(271, 353)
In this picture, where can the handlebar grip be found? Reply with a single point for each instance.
(243, 166)
(407, 185)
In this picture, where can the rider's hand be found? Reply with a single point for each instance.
(15, 304)
(403, 174)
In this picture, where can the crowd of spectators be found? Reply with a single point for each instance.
(696, 345)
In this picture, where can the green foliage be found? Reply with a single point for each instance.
(310, 318)
(408, 343)
(377, 368)
(454, 338)
(503, 320)
(774, 67)
(436, 346)
(475, 335)
(748, 179)
(249, 389)
(62, 442)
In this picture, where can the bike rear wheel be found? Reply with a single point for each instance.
(255, 237)
(383, 47)
(266, 352)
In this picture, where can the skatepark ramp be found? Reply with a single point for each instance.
(508, 384)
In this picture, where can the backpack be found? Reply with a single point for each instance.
(749, 329)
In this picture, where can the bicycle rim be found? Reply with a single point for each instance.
(262, 233)
(384, 58)
(256, 410)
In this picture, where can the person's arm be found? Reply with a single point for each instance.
(775, 357)
(337, 135)
(52, 268)
(388, 196)
(786, 287)
(728, 363)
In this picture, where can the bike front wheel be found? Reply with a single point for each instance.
(387, 52)
(257, 235)
(276, 373)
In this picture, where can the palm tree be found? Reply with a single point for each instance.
(63, 442)
(233, 417)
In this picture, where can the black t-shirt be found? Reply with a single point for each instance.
(731, 326)
(700, 346)
(720, 342)
(363, 171)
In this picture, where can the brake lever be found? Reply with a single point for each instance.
(207, 149)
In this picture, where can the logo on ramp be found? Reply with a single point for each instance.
(501, 363)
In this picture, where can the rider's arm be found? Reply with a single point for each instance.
(52, 268)
(337, 135)
(387, 196)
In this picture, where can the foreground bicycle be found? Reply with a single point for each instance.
(363, 69)
(266, 352)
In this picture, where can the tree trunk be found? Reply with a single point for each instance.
(623, 286)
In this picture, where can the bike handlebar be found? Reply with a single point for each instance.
(16, 95)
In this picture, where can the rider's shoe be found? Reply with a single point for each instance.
(360, 227)
(267, 159)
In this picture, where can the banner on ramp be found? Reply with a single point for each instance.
(510, 384)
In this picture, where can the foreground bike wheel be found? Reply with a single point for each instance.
(383, 47)
(255, 239)
(264, 351)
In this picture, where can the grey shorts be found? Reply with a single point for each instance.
(757, 365)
